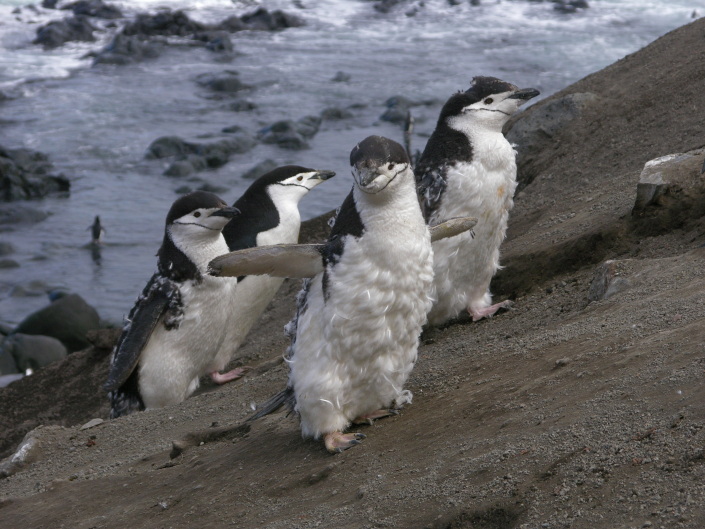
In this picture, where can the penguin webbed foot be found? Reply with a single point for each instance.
(337, 442)
(234, 374)
(478, 314)
(370, 418)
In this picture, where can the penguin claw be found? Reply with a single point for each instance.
(478, 314)
(223, 378)
(337, 442)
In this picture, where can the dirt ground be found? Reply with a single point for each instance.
(558, 413)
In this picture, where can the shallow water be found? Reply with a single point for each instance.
(96, 122)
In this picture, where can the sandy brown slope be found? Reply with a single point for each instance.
(558, 413)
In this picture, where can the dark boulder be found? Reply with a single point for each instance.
(242, 105)
(6, 248)
(8, 263)
(260, 169)
(398, 110)
(94, 8)
(167, 146)
(336, 114)
(125, 49)
(194, 157)
(58, 32)
(13, 214)
(340, 77)
(24, 175)
(33, 351)
(571, 6)
(224, 82)
(264, 20)
(289, 134)
(67, 319)
(215, 41)
(166, 23)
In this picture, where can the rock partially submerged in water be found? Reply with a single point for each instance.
(289, 134)
(58, 32)
(227, 82)
(94, 8)
(125, 49)
(25, 174)
(32, 351)
(67, 319)
(192, 157)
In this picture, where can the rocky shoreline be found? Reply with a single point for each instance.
(580, 407)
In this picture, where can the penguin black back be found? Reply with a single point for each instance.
(257, 210)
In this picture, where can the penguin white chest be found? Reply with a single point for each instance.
(357, 341)
(483, 188)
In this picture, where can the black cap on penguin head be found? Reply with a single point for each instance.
(374, 151)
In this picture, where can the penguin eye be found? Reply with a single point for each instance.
(299, 178)
(197, 214)
(488, 101)
(390, 166)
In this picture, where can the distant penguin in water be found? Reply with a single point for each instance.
(269, 214)
(97, 231)
(178, 323)
(468, 168)
(355, 334)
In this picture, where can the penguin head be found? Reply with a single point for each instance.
(291, 182)
(198, 215)
(378, 164)
(489, 102)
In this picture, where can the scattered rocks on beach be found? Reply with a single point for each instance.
(32, 351)
(94, 8)
(58, 32)
(67, 319)
(289, 134)
(26, 174)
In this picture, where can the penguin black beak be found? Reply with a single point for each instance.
(322, 175)
(227, 212)
(525, 94)
(367, 177)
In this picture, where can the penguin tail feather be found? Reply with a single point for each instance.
(283, 398)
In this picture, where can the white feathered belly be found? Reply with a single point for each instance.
(173, 360)
(464, 265)
(354, 352)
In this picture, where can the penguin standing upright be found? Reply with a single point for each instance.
(468, 168)
(355, 335)
(178, 323)
(269, 214)
(97, 231)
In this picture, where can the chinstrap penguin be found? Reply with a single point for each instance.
(468, 168)
(178, 323)
(97, 231)
(355, 335)
(269, 214)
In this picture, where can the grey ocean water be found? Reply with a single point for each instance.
(96, 122)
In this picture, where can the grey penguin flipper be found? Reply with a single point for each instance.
(156, 299)
(452, 227)
(278, 260)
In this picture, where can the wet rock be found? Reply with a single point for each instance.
(6, 248)
(49, 4)
(215, 41)
(398, 109)
(24, 174)
(570, 6)
(260, 169)
(33, 351)
(67, 319)
(8, 365)
(289, 134)
(126, 49)
(607, 281)
(242, 105)
(8, 263)
(385, 6)
(12, 214)
(58, 32)
(264, 20)
(533, 131)
(336, 114)
(94, 8)
(226, 82)
(167, 146)
(165, 23)
(341, 77)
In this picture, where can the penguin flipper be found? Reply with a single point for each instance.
(156, 299)
(278, 260)
(452, 227)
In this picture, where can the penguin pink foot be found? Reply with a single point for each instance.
(224, 378)
(337, 442)
(478, 314)
(370, 418)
